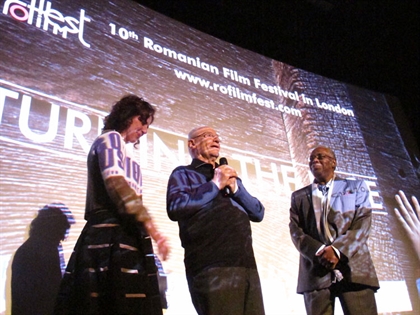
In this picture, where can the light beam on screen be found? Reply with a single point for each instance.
(64, 63)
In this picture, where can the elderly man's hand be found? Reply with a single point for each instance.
(225, 175)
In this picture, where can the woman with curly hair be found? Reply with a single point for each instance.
(112, 269)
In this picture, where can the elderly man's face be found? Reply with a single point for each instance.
(205, 144)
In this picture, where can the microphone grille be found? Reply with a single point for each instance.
(223, 161)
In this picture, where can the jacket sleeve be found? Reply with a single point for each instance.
(302, 226)
(354, 236)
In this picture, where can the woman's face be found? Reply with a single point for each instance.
(135, 130)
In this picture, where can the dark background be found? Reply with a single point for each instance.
(374, 45)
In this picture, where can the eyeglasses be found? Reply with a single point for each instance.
(319, 157)
(207, 135)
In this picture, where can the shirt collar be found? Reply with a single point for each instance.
(196, 163)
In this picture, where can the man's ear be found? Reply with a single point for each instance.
(192, 148)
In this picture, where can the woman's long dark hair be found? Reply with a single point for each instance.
(123, 111)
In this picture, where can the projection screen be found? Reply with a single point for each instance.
(63, 63)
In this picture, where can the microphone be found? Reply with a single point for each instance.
(226, 191)
(223, 161)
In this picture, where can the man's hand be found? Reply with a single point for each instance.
(328, 257)
(225, 175)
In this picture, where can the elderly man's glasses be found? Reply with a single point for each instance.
(208, 135)
(319, 157)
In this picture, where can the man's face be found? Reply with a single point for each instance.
(322, 164)
(205, 144)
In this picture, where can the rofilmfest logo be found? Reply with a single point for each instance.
(46, 17)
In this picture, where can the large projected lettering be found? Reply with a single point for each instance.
(235, 92)
(196, 62)
(64, 63)
(77, 124)
(24, 122)
(47, 17)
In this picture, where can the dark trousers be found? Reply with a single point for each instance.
(226, 291)
(355, 300)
